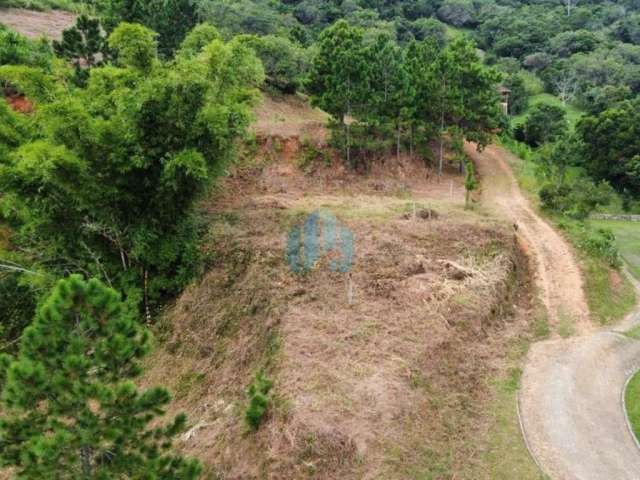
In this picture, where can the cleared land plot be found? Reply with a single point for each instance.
(34, 24)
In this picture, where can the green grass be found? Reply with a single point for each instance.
(632, 401)
(628, 241)
(634, 333)
(607, 302)
(532, 83)
(573, 113)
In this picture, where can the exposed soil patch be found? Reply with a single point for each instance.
(35, 24)
(19, 103)
(289, 116)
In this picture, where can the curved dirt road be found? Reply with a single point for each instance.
(570, 401)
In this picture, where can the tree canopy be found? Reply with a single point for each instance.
(70, 408)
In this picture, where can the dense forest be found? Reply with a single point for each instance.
(142, 105)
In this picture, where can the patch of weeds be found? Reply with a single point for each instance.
(418, 381)
(312, 154)
(540, 327)
(187, 382)
(258, 393)
(282, 407)
(403, 192)
(634, 333)
(276, 146)
(511, 383)
(251, 145)
(437, 468)
(273, 345)
(565, 326)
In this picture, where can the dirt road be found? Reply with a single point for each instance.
(570, 401)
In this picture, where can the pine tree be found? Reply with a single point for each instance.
(70, 409)
(338, 75)
(391, 96)
(83, 44)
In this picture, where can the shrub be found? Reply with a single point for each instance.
(18, 50)
(135, 44)
(258, 393)
(597, 243)
(576, 199)
(284, 62)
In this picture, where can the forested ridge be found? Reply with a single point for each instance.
(113, 134)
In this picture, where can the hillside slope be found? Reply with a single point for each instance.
(398, 384)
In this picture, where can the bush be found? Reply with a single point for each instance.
(258, 393)
(576, 199)
(597, 243)
(284, 62)
(18, 50)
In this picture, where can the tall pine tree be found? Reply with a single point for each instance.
(338, 75)
(69, 407)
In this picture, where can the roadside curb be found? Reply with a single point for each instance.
(526, 439)
(624, 408)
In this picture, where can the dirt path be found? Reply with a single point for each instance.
(34, 24)
(570, 401)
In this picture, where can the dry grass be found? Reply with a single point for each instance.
(35, 24)
(392, 387)
(399, 384)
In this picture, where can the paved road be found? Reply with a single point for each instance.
(571, 396)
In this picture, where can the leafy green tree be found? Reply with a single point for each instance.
(465, 94)
(545, 123)
(628, 29)
(390, 98)
(107, 180)
(284, 62)
(459, 13)
(198, 38)
(429, 28)
(235, 17)
(338, 75)
(611, 146)
(84, 45)
(135, 46)
(566, 44)
(554, 159)
(599, 99)
(518, 95)
(171, 19)
(70, 407)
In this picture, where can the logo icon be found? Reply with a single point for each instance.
(320, 235)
